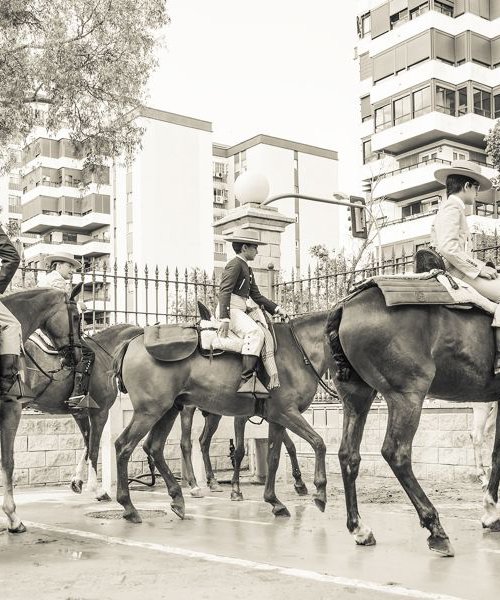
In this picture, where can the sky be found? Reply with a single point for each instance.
(280, 67)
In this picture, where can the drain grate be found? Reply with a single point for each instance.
(118, 514)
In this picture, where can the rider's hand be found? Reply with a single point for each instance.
(223, 329)
(281, 312)
(488, 273)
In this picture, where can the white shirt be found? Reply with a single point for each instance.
(54, 279)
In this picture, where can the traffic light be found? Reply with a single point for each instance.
(366, 186)
(358, 218)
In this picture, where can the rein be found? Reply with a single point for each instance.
(307, 362)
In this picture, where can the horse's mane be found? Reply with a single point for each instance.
(113, 331)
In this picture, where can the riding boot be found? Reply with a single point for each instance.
(12, 386)
(250, 384)
(496, 364)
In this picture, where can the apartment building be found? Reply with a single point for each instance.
(429, 93)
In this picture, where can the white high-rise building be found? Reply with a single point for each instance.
(430, 92)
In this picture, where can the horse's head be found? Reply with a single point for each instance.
(63, 327)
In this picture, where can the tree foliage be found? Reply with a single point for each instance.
(84, 63)
(493, 146)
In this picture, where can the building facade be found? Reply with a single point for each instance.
(429, 93)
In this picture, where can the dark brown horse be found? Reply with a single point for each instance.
(158, 390)
(52, 390)
(211, 424)
(57, 314)
(404, 353)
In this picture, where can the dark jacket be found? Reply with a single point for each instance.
(237, 278)
(10, 260)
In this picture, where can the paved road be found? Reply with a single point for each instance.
(238, 550)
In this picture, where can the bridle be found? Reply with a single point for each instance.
(307, 362)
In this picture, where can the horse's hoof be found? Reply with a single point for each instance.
(76, 486)
(196, 492)
(19, 529)
(132, 516)
(320, 503)
(103, 497)
(441, 545)
(495, 526)
(281, 511)
(215, 487)
(178, 510)
(236, 496)
(365, 540)
(301, 489)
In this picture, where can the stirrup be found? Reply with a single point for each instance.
(81, 401)
(253, 388)
(18, 392)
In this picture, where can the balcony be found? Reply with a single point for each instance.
(416, 180)
(89, 249)
(432, 127)
(55, 189)
(408, 228)
(48, 220)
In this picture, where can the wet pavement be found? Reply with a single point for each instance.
(78, 549)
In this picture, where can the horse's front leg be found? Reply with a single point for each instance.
(480, 412)
(211, 423)
(295, 422)
(239, 453)
(276, 433)
(97, 419)
(10, 415)
(299, 485)
(404, 409)
(84, 427)
(491, 517)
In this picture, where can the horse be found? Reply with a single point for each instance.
(405, 352)
(51, 394)
(57, 314)
(211, 424)
(484, 417)
(159, 390)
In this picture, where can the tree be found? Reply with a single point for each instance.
(493, 149)
(78, 64)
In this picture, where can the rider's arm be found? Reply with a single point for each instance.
(10, 260)
(447, 230)
(229, 280)
(261, 300)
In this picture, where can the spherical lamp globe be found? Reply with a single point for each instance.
(251, 187)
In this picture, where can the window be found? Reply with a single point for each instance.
(399, 18)
(421, 102)
(365, 25)
(482, 102)
(462, 101)
(411, 209)
(459, 156)
(219, 247)
(220, 196)
(402, 110)
(445, 100)
(484, 210)
(69, 237)
(383, 117)
(497, 106)
(419, 10)
(367, 151)
(427, 157)
(443, 8)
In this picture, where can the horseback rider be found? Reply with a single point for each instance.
(451, 237)
(239, 295)
(60, 272)
(11, 332)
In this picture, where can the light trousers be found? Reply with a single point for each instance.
(10, 332)
(244, 326)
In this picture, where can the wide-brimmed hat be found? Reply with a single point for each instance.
(245, 236)
(62, 257)
(463, 167)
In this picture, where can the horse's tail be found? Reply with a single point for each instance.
(344, 368)
(116, 368)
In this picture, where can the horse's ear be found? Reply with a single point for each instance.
(76, 290)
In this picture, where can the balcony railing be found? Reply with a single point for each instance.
(441, 161)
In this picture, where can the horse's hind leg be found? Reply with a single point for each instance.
(155, 447)
(404, 409)
(10, 415)
(357, 399)
(239, 453)
(187, 415)
(77, 479)
(276, 433)
(124, 446)
(97, 419)
(491, 517)
(211, 423)
(299, 485)
(480, 412)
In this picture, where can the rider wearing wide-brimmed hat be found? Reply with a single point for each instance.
(240, 294)
(451, 237)
(61, 267)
